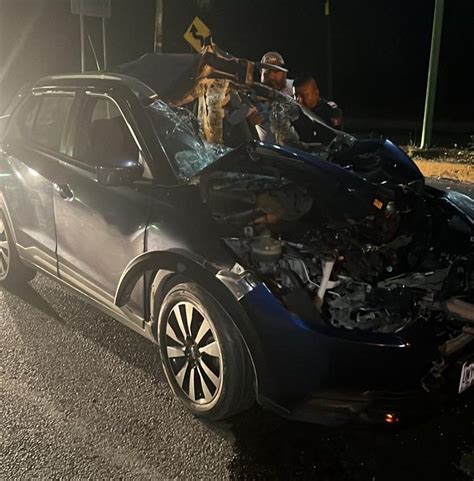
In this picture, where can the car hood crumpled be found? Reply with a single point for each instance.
(341, 189)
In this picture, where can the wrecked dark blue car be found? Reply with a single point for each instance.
(328, 282)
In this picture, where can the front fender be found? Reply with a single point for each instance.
(152, 261)
(462, 203)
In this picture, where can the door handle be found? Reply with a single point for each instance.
(64, 191)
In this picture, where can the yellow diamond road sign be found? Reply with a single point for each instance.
(197, 33)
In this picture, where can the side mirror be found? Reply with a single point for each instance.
(124, 173)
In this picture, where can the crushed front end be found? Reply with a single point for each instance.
(366, 307)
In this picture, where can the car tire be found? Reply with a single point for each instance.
(12, 269)
(203, 354)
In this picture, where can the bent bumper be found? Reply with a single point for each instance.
(335, 408)
(317, 373)
(375, 407)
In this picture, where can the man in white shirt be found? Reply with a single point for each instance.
(276, 78)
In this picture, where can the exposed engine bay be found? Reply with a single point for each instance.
(412, 260)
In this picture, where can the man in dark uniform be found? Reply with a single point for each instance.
(306, 92)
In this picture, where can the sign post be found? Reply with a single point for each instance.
(83, 58)
(104, 44)
(92, 8)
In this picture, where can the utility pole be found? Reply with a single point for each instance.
(327, 14)
(432, 74)
(158, 47)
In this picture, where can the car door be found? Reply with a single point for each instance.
(100, 228)
(32, 148)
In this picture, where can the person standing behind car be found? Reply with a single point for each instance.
(306, 92)
(276, 79)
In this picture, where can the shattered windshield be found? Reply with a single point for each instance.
(178, 130)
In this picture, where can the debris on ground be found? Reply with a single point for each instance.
(442, 154)
(444, 162)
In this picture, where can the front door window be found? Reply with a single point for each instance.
(104, 137)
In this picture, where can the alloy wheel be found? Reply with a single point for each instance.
(4, 250)
(194, 353)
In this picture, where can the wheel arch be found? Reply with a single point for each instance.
(7, 217)
(161, 267)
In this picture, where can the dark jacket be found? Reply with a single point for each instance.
(312, 132)
(329, 112)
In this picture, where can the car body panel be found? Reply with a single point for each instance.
(98, 230)
(310, 357)
(340, 189)
(390, 163)
(28, 192)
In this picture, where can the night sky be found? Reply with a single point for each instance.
(380, 49)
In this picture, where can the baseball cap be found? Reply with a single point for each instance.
(272, 61)
(273, 58)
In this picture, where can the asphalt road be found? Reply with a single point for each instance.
(84, 397)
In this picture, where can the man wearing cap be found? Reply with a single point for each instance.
(276, 78)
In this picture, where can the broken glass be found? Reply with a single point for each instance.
(178, 130)
(281, 116)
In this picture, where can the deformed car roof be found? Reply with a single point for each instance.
(172, 76)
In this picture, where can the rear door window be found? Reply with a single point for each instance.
(21, 125)
(50, 121)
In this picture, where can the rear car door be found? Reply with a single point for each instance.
(32, 149)
(100, 228)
